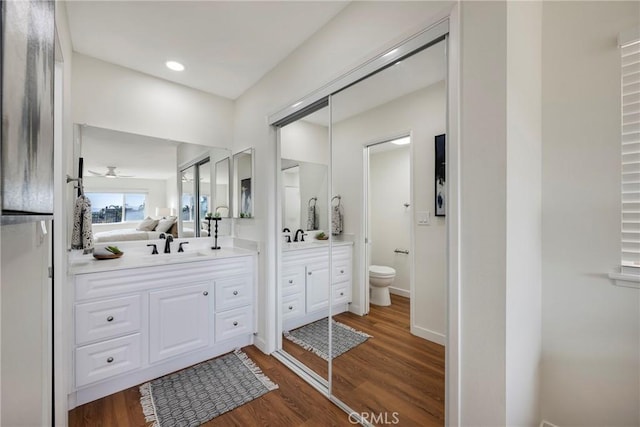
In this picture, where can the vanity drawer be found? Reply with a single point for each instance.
(341, 270)
(234, 292)
(233, 323)
(341, 293)
(105, 359)
(293, 280)
(292, 306)
(107, 319)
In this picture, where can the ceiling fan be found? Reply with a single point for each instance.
(111, 173)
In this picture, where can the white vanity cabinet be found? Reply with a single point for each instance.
(178, 321)
(304, 284)
(132, 325)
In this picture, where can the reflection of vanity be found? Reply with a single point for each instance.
(305, 274)
(133, 324)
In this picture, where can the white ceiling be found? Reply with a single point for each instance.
(226, 46)
(143, 157)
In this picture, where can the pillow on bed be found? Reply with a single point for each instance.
(165, 224)
(147, 224)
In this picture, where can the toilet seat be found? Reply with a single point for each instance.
(381, 271)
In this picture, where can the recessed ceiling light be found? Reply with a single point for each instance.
(401, 141)
(175, 66)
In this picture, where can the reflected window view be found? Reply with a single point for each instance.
(110, 208)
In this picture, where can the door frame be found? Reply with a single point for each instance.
(366, 224)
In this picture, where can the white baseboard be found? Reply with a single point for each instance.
(425, 333)
(545, 423)
(399, 291)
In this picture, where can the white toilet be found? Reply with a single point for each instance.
(380, 278)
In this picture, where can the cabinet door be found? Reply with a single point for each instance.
(317, 287)
(178, 321)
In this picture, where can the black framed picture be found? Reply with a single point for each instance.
(440, 176)
(27, 107)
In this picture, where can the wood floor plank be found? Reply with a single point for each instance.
(392, 372)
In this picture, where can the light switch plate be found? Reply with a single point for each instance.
(424, 218)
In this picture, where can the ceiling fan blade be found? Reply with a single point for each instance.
(95, 173)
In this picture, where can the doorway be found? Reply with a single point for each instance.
(388, 217)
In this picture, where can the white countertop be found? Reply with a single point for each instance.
(134, 257)
(313, 244)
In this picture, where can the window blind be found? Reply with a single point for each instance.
(630, 51)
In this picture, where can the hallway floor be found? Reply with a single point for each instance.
(393, 376)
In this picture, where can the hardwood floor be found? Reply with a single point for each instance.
(394, 373)
(295, 403)
(393, 376)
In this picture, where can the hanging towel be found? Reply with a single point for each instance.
(82, 236)
(336, 219)
(312, 218)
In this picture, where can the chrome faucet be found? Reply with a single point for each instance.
(167, 245)
(302, 234)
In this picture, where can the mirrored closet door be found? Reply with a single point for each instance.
(304, 246)
(383, 132)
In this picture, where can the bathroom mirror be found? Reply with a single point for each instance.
(304, 252)
(382, 134)
(129, 177)
(304, 195)
(243, 184)
(221, 188)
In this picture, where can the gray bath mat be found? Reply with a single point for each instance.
(315, 338)
(200, 393)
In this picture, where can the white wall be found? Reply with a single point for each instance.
(423, 113)
(524, 219)
(360, 31)
(113, 97)
(389, 189)
(306, 142)
(483, 213)
(590, 329)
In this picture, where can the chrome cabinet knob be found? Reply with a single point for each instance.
(309, 273)
(110, 359)
(205, 293)
(290, 281)
(341, 271)
(235, 292)
(290, 307)
(235, 323)
(110, 319)
(341, 293)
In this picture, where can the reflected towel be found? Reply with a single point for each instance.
(312, 223)
(82, 235)
(336, 220)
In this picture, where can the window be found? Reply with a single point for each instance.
(630, 52)
(630, 84)
(109, 208)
